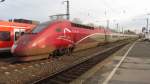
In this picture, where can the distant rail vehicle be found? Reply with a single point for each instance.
(10, 32)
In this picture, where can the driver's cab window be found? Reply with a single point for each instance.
(18, 33)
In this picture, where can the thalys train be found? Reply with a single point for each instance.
(54, 38)
(10, 32)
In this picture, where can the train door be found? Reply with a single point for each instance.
(18, 33)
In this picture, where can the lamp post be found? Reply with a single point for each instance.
(147, 22)
(107, 20)
(107, 23)
(68, 10)
(147, 25)
(117, 26)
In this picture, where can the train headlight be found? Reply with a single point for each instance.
(13, 48)
(34, 44)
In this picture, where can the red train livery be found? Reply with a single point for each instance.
(60, 37)
(9, 33)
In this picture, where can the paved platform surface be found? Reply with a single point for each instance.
(135, 69)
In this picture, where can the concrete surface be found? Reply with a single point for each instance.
(135, 69)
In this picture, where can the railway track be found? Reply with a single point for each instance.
(6, 58)
(26, 73)
(69, 74)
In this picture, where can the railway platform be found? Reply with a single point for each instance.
(130, 65)
(135, 68)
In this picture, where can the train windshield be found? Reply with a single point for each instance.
(41, 27)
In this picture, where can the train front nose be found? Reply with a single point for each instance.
(19, 49)
(13, 48)
(28, 50)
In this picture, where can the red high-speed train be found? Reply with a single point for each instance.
(9, 33)
(59, 37)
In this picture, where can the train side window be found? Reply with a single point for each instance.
(81, 26)
(22, 33)
(4, 36)
(41, 27)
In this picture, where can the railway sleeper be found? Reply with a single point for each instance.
(78, 70)
(63, 78)
(83, 68)
(69, 76)
(54, 81)
(74, 73)
(77, 73)
(59, 80)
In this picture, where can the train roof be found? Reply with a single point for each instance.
(15, 24)
(67, 22)
(73, 24)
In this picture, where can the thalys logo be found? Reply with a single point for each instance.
(66, 33)
(66, 36)
(66, 30)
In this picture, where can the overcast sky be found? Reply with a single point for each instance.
(130, 14)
